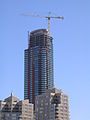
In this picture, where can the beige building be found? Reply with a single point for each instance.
(53, 105)
(14, 109)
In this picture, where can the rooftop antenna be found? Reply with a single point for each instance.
(28, 38)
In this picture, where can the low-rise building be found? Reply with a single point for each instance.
(14, 109)
(53, 105)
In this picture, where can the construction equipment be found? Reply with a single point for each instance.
(47, 17)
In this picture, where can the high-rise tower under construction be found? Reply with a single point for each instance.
(38, 64)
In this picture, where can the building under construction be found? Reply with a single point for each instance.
(38, 64)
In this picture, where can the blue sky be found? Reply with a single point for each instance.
(71, 39)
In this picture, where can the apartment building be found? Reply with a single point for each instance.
(53, 105)
(14, 109)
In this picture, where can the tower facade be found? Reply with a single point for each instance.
(38, 64)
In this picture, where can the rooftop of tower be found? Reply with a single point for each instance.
(39, 31)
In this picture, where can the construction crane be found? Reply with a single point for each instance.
(49, 17)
